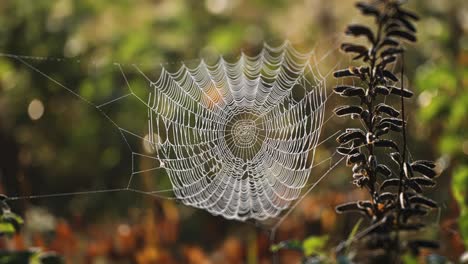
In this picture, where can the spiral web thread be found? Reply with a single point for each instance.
(233, 137)
(236, 138)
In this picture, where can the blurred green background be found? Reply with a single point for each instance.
(53, 142)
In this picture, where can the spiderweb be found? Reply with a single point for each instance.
(232, 137)
(236, 138)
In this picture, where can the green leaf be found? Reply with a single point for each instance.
(460, 192)
(290, 244)
(10, 216)
(313, 244)
(7, 228)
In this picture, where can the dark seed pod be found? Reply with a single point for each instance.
(382, 90)
(384, 170)
(427, 163)
(407, 14)
(402, 34)
(424, 170)
(365, 115)
(365, 204)
(360, 30)
(353, 48)
(347, 207)
(389, 126)
(368, 9)
(389, 183)
(396, 157)
(386, 143)
(392, 120)
(384, 108)
(407, 24)
(344, 150)
(357, 91)
(358, 168)
(412, 227)
(398, 91)
(423, 201)
(387, 196)
(408, 171)
(393, 25)
(388, 60)
(347, 110)
(381, 132)
(370, 138)
(423, 181)
(415, 186)
(356, 158)
(343, 73)
(349, 136)
(361, 182)
(341, 88)
(389, 75)
(389, 42)
(415, 211)
(391, 51)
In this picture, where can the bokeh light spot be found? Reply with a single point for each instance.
(35, 109)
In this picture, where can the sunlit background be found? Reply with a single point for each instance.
(53, 142)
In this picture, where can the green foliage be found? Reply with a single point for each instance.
(460, 192)
(9, 225)
(32, 256)
(312, 246)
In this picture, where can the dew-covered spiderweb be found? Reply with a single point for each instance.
(232, 137)
(236, 138)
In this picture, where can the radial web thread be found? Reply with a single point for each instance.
(238, 139)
